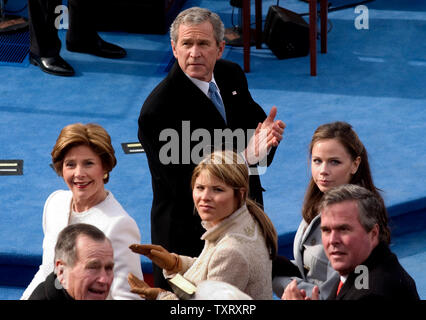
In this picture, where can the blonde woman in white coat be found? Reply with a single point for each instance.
(337, 157)
(83, 156)
(239, 243)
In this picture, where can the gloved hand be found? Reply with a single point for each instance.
(170, 262)
(142, 288)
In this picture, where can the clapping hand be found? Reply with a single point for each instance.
(292, 292)
(142, 288)
(268, 134)
(160, 256)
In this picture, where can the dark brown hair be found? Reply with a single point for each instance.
(342, 132)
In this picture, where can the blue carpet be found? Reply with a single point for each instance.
(373, 78)
(10, 293)
(411, 252)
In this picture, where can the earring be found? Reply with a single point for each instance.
(105, 175)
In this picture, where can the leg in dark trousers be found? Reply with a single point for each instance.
(43, 33)
(82, 36)
(45, 44)
(81, 22)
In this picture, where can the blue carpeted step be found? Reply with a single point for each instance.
(10, 293)
(411, 251)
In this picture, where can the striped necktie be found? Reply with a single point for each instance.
(216, 99)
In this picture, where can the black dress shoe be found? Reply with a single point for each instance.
(98, 48)
(53, 65)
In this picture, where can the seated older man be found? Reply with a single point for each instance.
(84, 263)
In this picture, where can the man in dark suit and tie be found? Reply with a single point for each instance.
(358, 250)
(81, 36)
(202, 98)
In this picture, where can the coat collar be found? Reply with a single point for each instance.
(377, 254)
(303, 233)
(54, 290)
(214, 232)
(191, 90)
(310, 228)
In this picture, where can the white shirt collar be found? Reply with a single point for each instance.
(203, 85)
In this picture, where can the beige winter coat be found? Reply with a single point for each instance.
(234, 252)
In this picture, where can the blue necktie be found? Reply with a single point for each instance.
(217, 101)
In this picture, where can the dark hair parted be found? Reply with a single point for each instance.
(91, 135)
(343, 133)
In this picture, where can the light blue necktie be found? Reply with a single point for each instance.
(216, 99)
